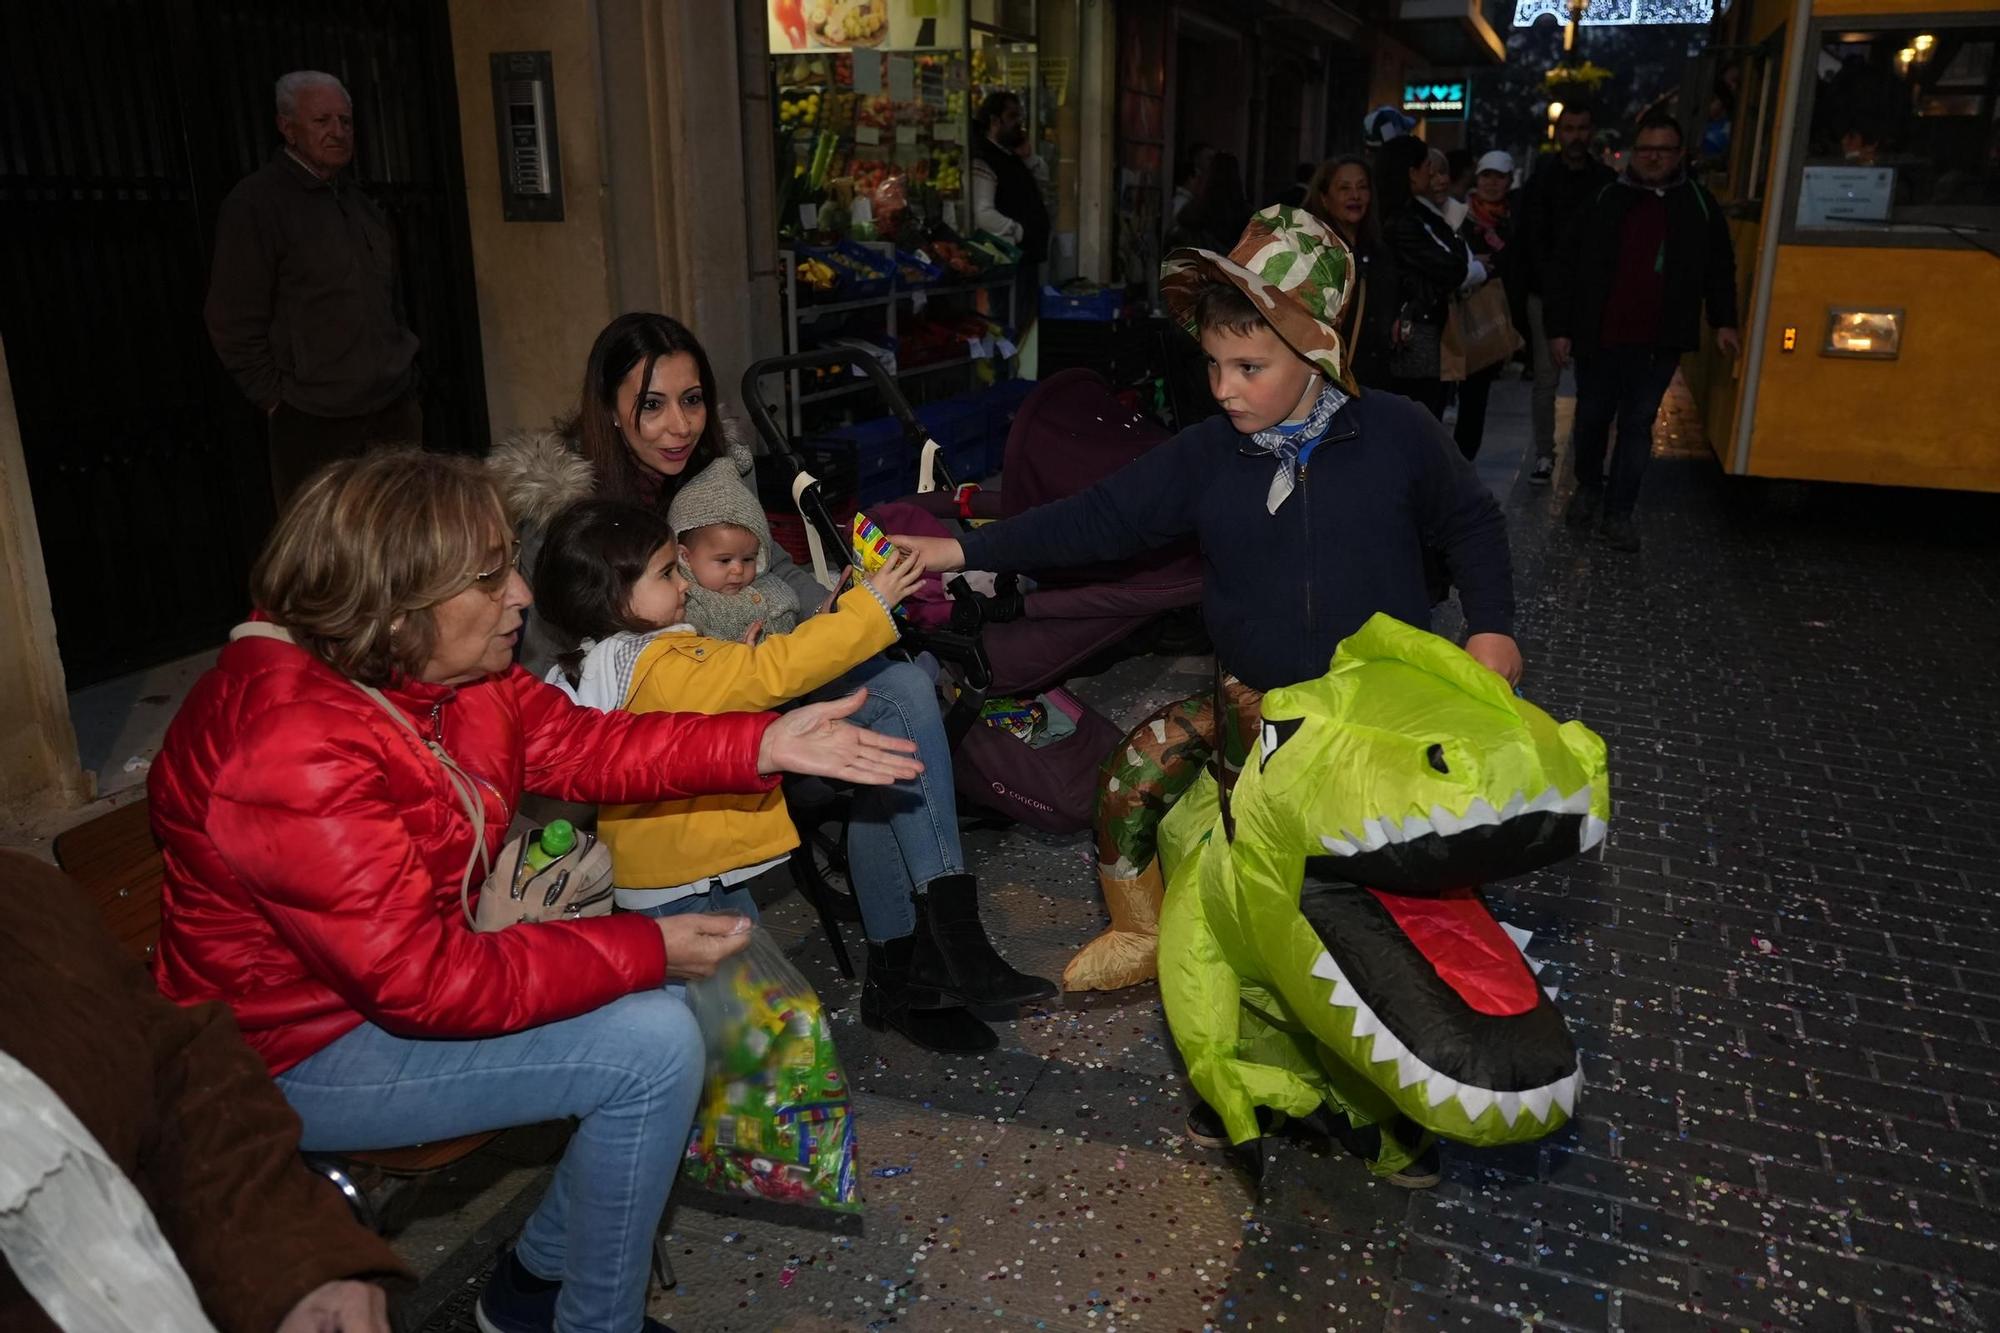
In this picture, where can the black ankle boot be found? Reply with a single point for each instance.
(885, 1006)
(955, 962)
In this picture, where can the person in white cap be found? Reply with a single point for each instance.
(1488, 230)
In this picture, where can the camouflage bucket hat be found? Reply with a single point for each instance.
(1296, 272)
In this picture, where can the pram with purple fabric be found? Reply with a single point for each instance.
(1069, 432)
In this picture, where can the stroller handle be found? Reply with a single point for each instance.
(961, 650)
(767, 425)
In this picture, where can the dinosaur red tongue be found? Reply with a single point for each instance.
(1460, 939)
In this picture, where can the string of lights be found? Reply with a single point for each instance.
(1608, 12)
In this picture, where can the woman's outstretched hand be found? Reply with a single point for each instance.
(816, 740)
(940, 554)
(697, 942)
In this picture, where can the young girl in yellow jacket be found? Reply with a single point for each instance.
(610, 574)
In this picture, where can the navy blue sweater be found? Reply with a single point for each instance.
(1280, 591)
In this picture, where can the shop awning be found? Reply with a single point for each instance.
(1449, 32)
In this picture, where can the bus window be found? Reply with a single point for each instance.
(1898, 135)
(1732, 142)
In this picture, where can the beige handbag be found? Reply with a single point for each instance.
(1478, 334)
(574, 885)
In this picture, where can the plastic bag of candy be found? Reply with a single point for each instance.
(775, 1119)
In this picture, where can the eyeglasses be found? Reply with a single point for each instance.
(1653, 151)
(493, 582)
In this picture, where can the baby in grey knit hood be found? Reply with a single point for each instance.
(725, 542)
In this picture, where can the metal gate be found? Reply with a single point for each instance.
(123, 123)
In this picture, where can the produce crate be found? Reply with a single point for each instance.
(1102, 304)
(916, 270)
(868, 273)
(888, 486)
(952, 421)
(864, 448)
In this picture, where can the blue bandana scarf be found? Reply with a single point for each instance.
(1284, 440)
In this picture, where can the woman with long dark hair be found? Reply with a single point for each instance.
(1433, 263)
(648, 423)
(1341, 194)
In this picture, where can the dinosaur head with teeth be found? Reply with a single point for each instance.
(1342, 898)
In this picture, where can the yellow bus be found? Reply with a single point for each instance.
(1863, 182)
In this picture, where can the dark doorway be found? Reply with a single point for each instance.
(1211, 89)
(123, 123)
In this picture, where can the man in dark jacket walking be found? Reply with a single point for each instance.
(1550, 201)
(303, 305)
(1645, 256)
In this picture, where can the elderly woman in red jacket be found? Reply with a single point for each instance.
(314, 848)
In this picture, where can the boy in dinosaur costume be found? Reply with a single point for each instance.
(1314, 503)
(1324, 943)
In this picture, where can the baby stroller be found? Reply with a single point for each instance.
(1043, 635)
(1071, 432)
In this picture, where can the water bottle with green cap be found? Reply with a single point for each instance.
(550, 846)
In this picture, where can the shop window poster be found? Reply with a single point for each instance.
(848, 25)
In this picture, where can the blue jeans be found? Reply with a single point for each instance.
(905, 835)
(733, 899)
(631, 1071)
(1626, 383)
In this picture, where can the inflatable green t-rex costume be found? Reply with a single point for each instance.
(1413, 771)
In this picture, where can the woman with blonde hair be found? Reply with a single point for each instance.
(316, 844)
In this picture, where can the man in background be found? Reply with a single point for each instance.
(1646, 255)
(1550, 201)
(303, 304)
(1007, 196)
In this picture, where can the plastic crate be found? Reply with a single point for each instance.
(1103, 304)
(866, 450)
(953, 421)
(888, 486)
(867, 273)
(915, 269)
(1001, 403)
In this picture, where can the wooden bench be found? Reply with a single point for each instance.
(116, 862)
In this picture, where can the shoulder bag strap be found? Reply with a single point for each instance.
(461, 782)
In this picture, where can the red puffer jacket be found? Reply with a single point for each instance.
(314, 848)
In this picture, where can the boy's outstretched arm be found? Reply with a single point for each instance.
(1459, 516)
(1147, 503)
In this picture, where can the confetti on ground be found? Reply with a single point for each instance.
(1783, 971)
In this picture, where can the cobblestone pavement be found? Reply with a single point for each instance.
(1784, 969)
